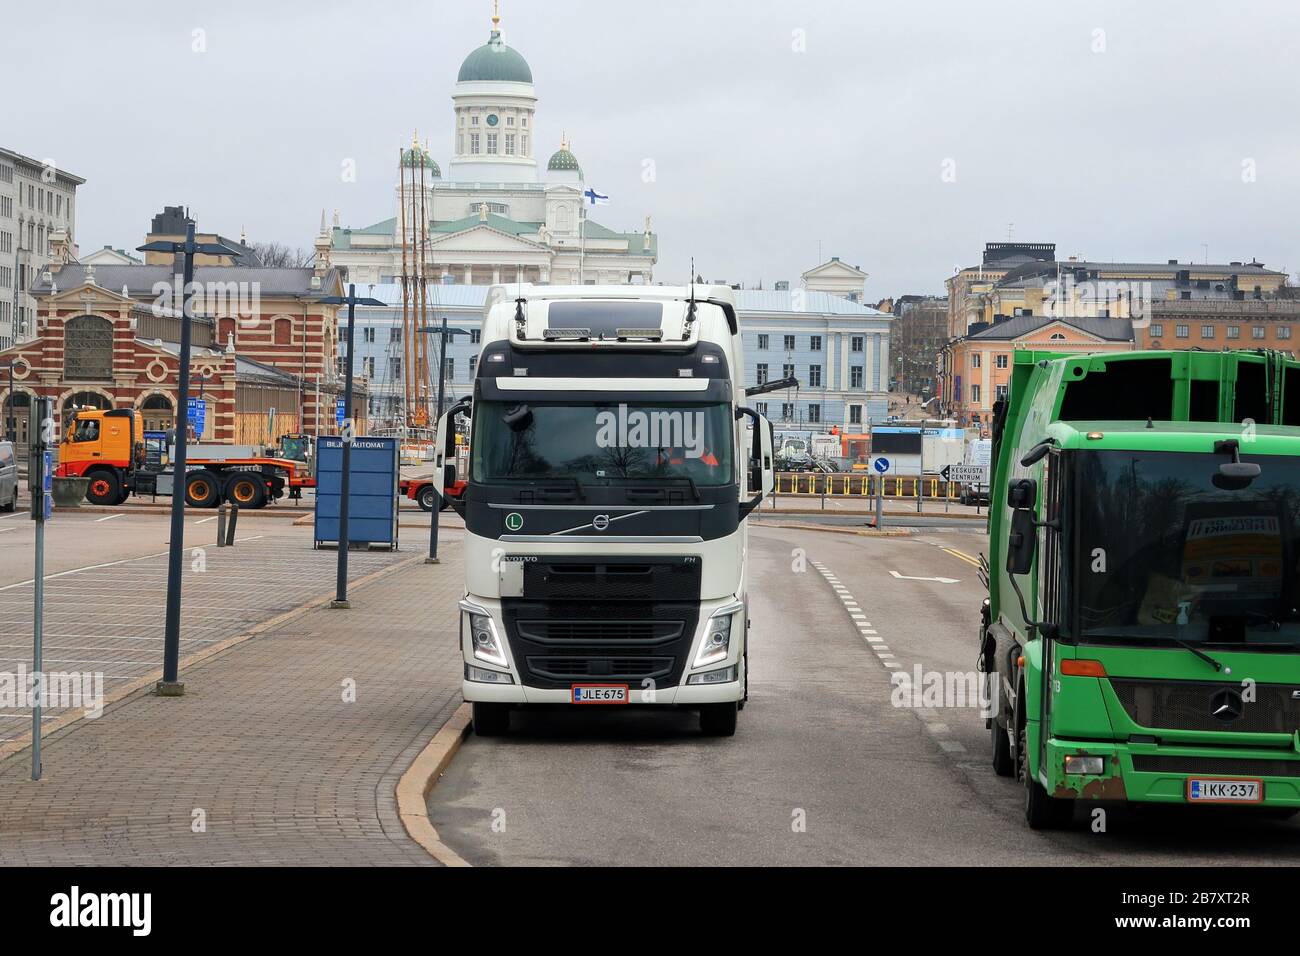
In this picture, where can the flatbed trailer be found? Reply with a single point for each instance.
(108, 448)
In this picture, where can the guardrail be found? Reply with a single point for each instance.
(862, 485)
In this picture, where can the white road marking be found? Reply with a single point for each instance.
(110, 517)
(206, 520)
(908, 577)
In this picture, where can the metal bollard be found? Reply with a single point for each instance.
(221, 525)
(230, 529)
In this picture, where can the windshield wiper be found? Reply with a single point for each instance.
(1160, 637)
(577, 485)
(695, 489)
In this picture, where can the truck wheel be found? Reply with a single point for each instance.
(202, 490)
(1042, 811)
(491, 720)
(247, 492)
(104, 488)
(718, 720)
(1004, 765)
(426, 498)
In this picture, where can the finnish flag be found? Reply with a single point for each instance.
(595, 198)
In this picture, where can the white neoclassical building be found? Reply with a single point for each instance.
(495, 216)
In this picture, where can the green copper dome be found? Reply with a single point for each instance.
(412, 157)
(495, 62)
(563, 161)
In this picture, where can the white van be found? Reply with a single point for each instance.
(8, 477)
(979, 454)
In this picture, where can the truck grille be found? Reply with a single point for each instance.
(589, 632)
(604, 668)
(1192, 705)
(606, 618)
(1217, 766)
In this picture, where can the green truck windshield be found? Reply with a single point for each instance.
(602, 443)
(1168, 548)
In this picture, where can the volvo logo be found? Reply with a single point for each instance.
(600, 522)
(1226, 705)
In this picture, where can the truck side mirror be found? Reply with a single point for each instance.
(1022, 493)
(760, 470)
(1022, 542)
(444, 448)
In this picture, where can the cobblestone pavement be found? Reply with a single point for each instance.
(265, 747)
(107, 618)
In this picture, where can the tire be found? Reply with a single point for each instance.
(444, 504)
(202, 490)
(13, 502)
(247, 491)
(1042, 811)
(105, 488)
(491, 720)
(719, 720)
(1004, 763)
(426, 497)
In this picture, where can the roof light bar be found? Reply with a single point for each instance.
(566, 335)
(652, 334)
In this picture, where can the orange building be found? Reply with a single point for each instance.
(1249, 324)
(975, 370)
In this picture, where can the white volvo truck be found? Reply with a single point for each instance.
(613, 462)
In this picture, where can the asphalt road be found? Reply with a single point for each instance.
(824, 769)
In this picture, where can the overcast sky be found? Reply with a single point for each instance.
(898, 136)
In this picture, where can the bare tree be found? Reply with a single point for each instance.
(276, 255)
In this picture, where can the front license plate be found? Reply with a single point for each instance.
(600, 693)
(1224, 790)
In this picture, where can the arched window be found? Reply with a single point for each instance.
(283, 332)
(1057, 337)
(88, 349)
(156, 410)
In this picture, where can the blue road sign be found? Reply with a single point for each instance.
(881, 465)
(339, 412)
(197, 411)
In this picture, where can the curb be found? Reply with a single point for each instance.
(19, 744)
(419, 779)
(832, 529)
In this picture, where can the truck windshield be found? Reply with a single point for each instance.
(602, 443)
(1169, 549)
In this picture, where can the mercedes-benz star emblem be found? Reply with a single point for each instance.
(1226, 705)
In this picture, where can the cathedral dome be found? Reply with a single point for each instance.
(417, 156)
(563, 161)
(494, 62)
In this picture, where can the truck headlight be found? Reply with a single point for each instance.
(717, 641)
(1085, 764)
(487, 644)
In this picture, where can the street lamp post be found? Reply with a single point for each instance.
(345, 487)
(443, 332)
(11, 426)
(170, 686)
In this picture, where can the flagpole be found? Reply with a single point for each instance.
(582, 244)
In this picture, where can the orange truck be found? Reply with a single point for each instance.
(108, 447)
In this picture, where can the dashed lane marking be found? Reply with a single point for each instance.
(937, 730)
